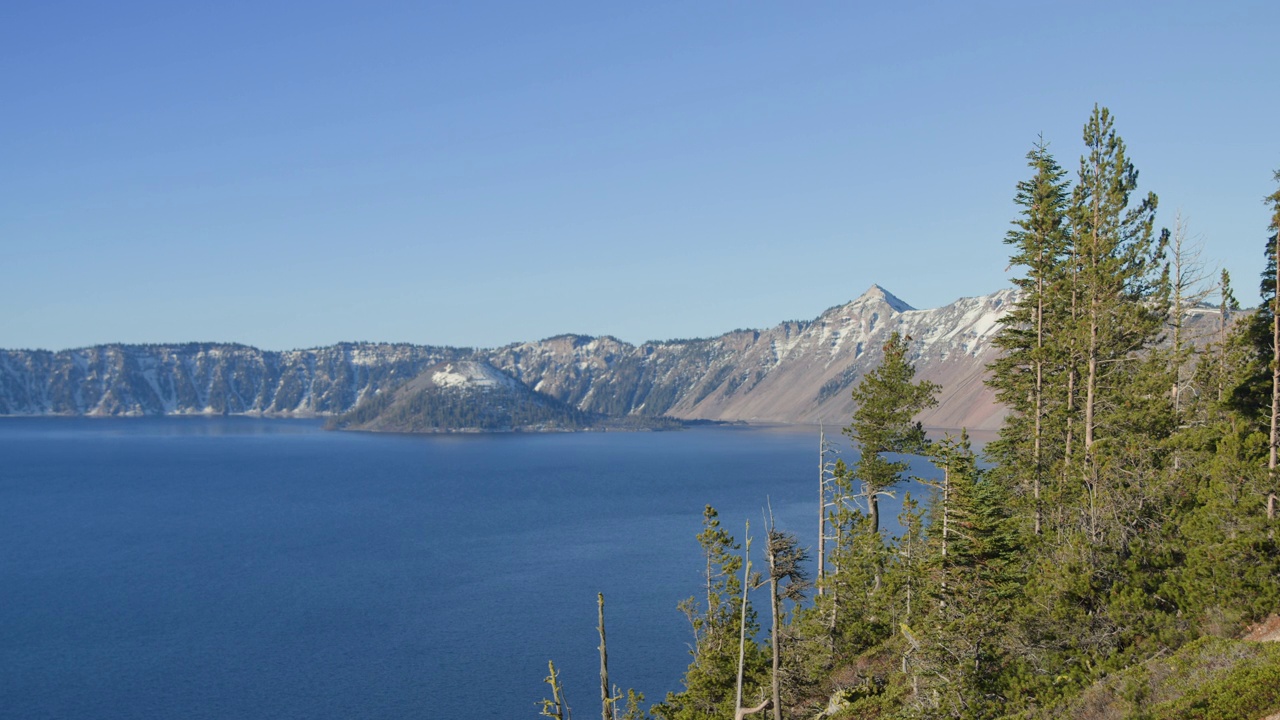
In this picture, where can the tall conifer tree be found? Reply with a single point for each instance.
(1032, 360)
(1123, 284)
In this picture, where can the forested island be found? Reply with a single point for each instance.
(1104, 557)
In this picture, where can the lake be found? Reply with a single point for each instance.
(248, 568)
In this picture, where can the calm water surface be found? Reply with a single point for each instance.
(243, 568)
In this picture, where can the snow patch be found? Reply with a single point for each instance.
(470, 374)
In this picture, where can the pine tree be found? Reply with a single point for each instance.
(887, 401)
(1123, 285)
(853, 608)
(1227, 305)
(1033, 360)
(787, 582)
(978, 578)
(1257, 396)
(710, 678)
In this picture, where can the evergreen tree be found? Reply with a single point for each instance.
(1257, 396)
(787, 583)
(1227, 305)
(1034, 360)
(710, 678)
(887, 401)
(852, 608)
(1080, 368)
(1123, 285)
(978, 578)
(721, 585)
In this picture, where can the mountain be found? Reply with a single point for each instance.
(795, 372)
(205, 378)
(798, 371)
(462, 394)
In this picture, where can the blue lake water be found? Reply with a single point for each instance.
(244, 568)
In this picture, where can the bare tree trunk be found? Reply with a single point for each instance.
(1091, 385)
(742, 712)
(742, 627)
(835, 590)
(873, 507)
(1039, 401)
(1224, 308)
(773, 625)
(1071, 410)
(946, 495)
(946, 524)
(1071, 358)
(873, 504)
(822, 508)
(1180, 283)
(1090, 398)
(605, 700)
(556, 707)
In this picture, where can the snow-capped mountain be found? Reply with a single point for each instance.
(794, 372)
(204, 378)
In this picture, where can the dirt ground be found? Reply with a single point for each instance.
(1266, 631)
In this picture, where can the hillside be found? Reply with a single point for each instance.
(794, 372)
(1209, 679)
(461, 395)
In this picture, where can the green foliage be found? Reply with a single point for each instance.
(1114, 524)
(1092, 567)
(1208, 679)
(853, 609)
(978, 575)
(887, 400)
(710, 680)
(715, 622)
(634, 711)
(1249, 689)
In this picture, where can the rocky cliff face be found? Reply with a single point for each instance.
(798, 371)
(204, 378)
(795, 372)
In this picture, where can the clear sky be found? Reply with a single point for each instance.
(473, 173)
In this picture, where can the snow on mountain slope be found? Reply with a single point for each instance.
(467, 374)
(462, 395)
(797, 371)
(800, 371)
(812, 381)
(203, 378)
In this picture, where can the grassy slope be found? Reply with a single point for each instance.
(1209, 679)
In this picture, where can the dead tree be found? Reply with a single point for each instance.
(740, 712)
(556, 707)
(786, 564)
(826, 500)
(606, 700)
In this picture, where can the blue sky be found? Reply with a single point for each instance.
(296, 174)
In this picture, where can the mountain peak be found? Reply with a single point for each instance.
(879, 294)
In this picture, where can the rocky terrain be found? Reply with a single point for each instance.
(794, 372)
(205, 378)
